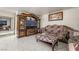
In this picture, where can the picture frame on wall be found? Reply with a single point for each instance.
(56, 16)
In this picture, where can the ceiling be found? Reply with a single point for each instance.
(34, 10)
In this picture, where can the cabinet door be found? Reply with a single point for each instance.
(22, 24)
(22, 33)
(22, 28)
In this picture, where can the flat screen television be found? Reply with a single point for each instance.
(2, 22)
(31, 23)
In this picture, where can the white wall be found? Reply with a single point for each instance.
(16, 25)
(13, 23)
(70, 18)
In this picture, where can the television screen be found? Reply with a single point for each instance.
(31, 23)
(3, 22)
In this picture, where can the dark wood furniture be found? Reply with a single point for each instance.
(25, 29)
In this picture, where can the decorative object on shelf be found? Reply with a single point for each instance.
(27, 18)
(56, 16)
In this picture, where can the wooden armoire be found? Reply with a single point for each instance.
(27, 24)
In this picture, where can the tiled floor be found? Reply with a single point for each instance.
(11, 43)
(6, 32)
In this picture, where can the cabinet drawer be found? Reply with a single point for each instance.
(22, 33)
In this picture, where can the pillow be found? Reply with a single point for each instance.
(76, 45)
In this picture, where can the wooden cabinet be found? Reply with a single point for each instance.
(27, 24)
